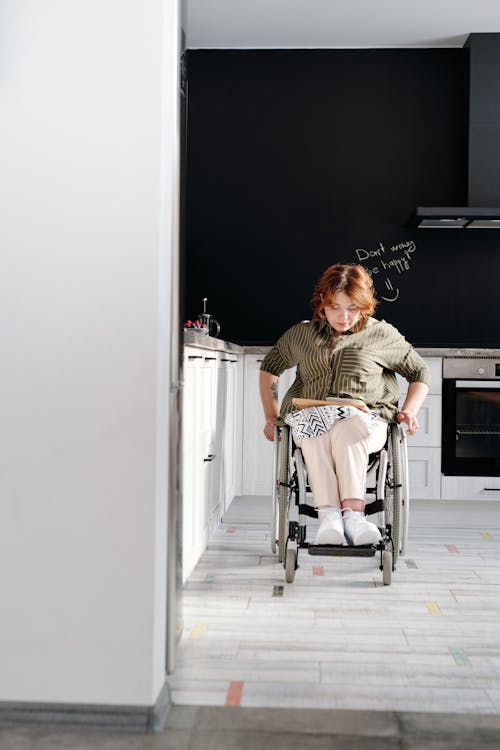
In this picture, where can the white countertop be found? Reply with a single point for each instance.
(193, 338)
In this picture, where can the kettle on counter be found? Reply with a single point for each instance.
(208, 321)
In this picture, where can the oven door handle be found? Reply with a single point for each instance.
(477, 432)
(477, 383)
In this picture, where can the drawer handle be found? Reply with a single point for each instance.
(208, 359)
(195, 356)
(210, 457)
(491, 489)
(228, 360)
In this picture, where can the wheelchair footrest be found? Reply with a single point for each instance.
(341, 551)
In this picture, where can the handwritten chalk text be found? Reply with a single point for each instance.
(399, 264)
(395, 259)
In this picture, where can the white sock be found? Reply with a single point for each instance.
(325, 510)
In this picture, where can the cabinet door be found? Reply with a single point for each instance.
(257, 451)
(424, 470)
(429, 419)
(231, 429)
(212, 425)
(436, 367)
(199, 453)
(424, 448)
(194, 474)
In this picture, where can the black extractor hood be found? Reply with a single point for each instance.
(483, 178)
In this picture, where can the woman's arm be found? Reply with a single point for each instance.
(416, 395)
(268, 386)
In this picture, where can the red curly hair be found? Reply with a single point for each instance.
(353, 280)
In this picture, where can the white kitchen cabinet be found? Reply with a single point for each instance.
(198, 452)
(210, 446)
(470, 488)
(257, 451)
(231, 366)
(424, 452)
(424, 469)
(424, 448)
(429, 420)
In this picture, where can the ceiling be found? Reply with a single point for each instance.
(330, 24)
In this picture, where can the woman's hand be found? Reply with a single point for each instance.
(413, 401)
(409, 419)
(269, 428)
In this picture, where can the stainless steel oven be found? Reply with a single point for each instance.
(471, 416)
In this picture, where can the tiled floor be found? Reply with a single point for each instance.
(337, 638)
(412, 666)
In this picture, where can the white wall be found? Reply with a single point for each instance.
(86, 219)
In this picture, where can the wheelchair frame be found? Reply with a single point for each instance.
(388, 467)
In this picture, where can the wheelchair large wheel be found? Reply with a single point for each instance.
(283, 492)
(394, 494)
(405, 500)
(275, 486)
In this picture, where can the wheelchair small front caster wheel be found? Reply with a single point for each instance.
(290, 565)
(387, 567)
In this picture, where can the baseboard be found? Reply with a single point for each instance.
(128, 718)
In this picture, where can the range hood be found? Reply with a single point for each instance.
(483, 178)
(457, 217)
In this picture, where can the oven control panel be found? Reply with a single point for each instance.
(471, 368)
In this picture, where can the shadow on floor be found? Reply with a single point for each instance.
(208, 728)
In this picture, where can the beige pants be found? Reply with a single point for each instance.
(337, 461)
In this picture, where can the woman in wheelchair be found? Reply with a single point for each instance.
(344, 395)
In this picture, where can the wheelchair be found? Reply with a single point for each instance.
(386, 495)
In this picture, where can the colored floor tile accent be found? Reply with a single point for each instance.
(433, 608)
(234, 693)
(198, 631)
(411, 564)
(231, 530)
(278, 590)
(452, 548)
(460, 658)
(318, 570)
(486, 535)
(209, 578)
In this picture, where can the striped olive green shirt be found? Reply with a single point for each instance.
(361, 365)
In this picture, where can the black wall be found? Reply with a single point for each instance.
(299, 159)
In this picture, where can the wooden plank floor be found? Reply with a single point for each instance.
(337, 638)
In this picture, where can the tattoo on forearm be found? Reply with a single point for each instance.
(274, 389)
